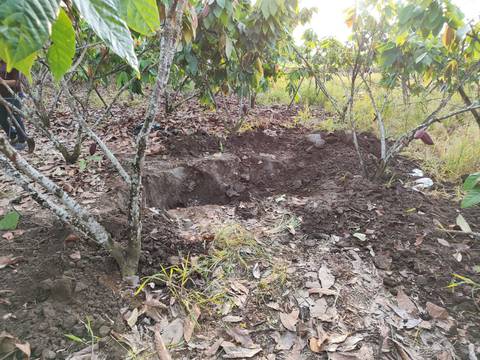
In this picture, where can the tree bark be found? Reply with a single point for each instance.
(168, 44)
(468, 102)
(69, 210)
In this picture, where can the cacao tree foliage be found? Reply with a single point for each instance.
(430, 43)
(239, 45)
(28, 27)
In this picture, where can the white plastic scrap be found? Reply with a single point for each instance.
(416, 173)
(422, 183)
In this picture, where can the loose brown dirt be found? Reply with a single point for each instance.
(58, 286)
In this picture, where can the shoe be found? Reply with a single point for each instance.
(31, 145)
(13, 138)
(19, 146)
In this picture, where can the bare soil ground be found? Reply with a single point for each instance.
(258, 245)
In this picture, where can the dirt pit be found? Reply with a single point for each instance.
(264, 246)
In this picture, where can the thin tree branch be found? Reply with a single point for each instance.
(95, 229)
(83, 124)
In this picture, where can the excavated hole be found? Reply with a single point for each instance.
(219, 179)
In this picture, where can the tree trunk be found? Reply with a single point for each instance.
(468, 102)
(406, 98)
(253, 100)
(168, 45)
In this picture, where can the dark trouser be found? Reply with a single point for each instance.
(12, 131)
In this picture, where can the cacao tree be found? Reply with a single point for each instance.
(431, 45)
(32, 27)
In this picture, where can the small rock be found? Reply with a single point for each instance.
(104, 331)
(231, 192)
(245, 176)
(239, 188)
(48, 354)
(69, 321)
(80, 286)
(389, 282)
(316, 140)
(310, 242)
(297, 184)
(383, 261)
(78, 330)
(46, 284)
(49, 311)
(63, 289)
(133, 280)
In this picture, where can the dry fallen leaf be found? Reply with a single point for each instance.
(437, 312)
(9, 344)
(290, 320)
(405, 303)
(326, 278)
(75, 255)
(274, 306)
(237, 352)
(131, 317)
(242, 336)
(71, 239)
(160, 347)
(24, 348)
(295, 353)
(8, 260)
(322, 291)
(360, 236)
(284, 341)
(232, 319)
(319, 309)
(443, 242)
(8, 236)
(212, 350)
(419, 239)
(315, 344)
(256, 271)
(173, 332)
(153, 307)
(351, 342)
(189, 323)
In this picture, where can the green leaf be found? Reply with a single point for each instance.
(82, 165)
(265, 7)
(9, 221)
(24, 28)
(141, 15)
(75, 338)
(471, 199)
(420, 57)
(463, 224)
(61, 52)
(228, 47)
(472, 181)
(104, 18)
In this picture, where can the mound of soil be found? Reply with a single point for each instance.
(58, 284)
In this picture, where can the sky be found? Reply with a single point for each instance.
(329, 19)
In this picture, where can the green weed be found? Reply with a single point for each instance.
(459, 280)
(92, 338)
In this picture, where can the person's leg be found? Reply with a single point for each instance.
(20, 132)
(5, 124)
